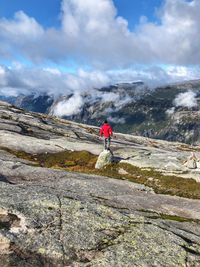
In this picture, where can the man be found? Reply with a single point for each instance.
(107, 132)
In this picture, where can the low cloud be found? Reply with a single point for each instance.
(116, 120)
(68, 107)
(20, 79)
(187, 99)
(85, 86)
(170, 111)
(118, 100)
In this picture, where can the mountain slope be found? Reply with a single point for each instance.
(57, 210)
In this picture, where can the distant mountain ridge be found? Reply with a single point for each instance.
(130, 107)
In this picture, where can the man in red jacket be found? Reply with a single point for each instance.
(107, 132)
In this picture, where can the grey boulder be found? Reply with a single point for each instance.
(105, 158)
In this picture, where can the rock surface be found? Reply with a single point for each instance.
(57, 218)
(68, 219)
(105, 158)
(37, 133)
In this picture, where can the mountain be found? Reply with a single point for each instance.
(57, 210)
(131, 108)
(33, 102)
(150, 116)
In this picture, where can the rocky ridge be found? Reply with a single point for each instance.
(55, 217)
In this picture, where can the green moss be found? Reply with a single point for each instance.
(22, 155)
(172, 185)
(185, 147)
(176, 218)
(163, 216)
(84, 162)
(67, 159)
(41, 250)
(62, 159)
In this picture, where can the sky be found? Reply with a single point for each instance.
(59, 46)
(47, 12)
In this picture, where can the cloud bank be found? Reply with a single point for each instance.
(18, 79)
(91, 32)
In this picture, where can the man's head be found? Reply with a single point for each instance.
(105, 121)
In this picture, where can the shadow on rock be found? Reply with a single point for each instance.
(117, 159)
(19, 258)
(4, 179)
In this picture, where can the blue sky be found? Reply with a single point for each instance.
(47, 11)
(100, 41)
(133, 10)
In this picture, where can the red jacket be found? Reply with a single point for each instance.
(106, 130)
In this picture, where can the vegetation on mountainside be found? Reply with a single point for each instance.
(84, 162)
(184, 147)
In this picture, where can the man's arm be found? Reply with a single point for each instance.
(111, 131)
(101, 131)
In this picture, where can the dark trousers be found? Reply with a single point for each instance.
(107, 143)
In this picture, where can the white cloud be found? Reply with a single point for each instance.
(183, 72)
(50, 80)
(92, 33)
(97, 78)
(53, 71)
(186, 99)
(21, 26)
(84, 86)
(170, 111)
(21, 79)
(116, 120)
(108, 97)
(2, 76)
(68, 107)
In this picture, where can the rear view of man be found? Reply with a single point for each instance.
(107, 132)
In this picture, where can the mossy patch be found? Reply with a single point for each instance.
(22, 155)
(64, 159)
(84, 162)
(176, 218)
(163, 216)
(184, 147)
(67, 159)
(164, 184)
